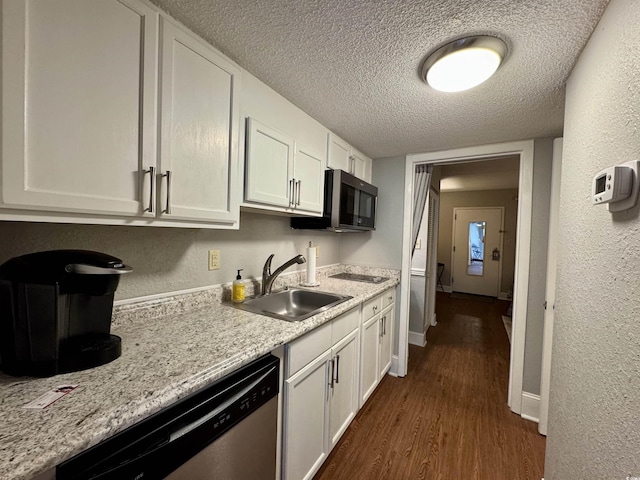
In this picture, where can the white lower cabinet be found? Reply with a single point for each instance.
(320, 398)
(306, 406)
(376, 340)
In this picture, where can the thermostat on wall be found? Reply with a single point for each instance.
(617, 186)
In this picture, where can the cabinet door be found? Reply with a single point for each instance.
(199, 133)
(79, 138)
(308, 174)
(338, 154)
(306, 413)
(269, 160)
(386, 334)
(369, 347)
(361, 165)
(344, 394)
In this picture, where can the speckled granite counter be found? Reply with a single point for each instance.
(171, 348)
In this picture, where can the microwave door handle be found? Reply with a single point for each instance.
(84, 269)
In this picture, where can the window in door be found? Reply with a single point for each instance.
(475, 258)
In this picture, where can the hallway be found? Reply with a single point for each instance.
(448, 418)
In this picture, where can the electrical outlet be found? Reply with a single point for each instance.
(214, 259)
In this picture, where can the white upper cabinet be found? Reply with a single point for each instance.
(281, 172)
(198, 154)
(79, 105)
(338, 154)
(342, 156)
(308, 172)
(269, 165)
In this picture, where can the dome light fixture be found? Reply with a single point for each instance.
(464, 63)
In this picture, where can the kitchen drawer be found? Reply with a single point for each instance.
(306, 348)
(388, 297)
(371, 307)
(344, 324)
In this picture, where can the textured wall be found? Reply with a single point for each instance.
(382, 247)
(170, 259)
(594, 426)
(491, 198)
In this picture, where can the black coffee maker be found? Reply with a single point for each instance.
(55, 312)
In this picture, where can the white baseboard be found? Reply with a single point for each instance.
(433, 320)
(504, 296)
(393, 370)
(418, 339)
(530, 407)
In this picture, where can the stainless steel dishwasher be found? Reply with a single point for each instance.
(226, 431)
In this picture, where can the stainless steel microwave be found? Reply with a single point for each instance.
(349, 205)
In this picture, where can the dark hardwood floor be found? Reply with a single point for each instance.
(448, 418)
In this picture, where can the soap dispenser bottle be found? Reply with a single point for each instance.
(237, 290)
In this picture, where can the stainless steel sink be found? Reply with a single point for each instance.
(293, 304)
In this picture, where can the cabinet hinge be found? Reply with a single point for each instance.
(455, 217)
(454, 248)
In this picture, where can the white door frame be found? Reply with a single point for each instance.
(523, 249)
(453, 237)
(550, 293)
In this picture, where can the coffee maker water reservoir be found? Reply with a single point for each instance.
(55, 312)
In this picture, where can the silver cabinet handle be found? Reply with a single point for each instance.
(381, 334)
(384, 325)
(337, 368)
(298, 183)
(167, 209)
(330, 382)
(152, 185)
(352, 162)
(291, 192)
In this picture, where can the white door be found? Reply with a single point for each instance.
(338, 154)
(269, 160)
(306, 401)
(79, 105)
(431, 271)
(308, 173)
(550, 294)
(386, 334)
(369, 349)
(344, 394)
(197, 127)
(477, 250)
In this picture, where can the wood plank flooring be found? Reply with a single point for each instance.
(448, 418)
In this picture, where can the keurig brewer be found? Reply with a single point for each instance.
(55, 312)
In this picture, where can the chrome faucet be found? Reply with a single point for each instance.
(268, 278)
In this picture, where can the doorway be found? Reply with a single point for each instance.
(524, 151)
(476, 254)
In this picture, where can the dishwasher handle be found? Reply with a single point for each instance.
(173, 436)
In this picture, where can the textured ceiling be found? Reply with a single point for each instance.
(354, 64)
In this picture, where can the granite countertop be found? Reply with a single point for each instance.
(171, 348)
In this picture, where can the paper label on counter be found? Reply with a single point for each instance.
(56, 393)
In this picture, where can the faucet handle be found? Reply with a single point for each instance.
(266, 270)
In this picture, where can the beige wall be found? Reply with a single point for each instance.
(170, 259)
(488, 198)
(594, 431)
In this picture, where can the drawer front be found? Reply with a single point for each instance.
(344, 325)
(371, 307)
(388, 297)
(303, 350)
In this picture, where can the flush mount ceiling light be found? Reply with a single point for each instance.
(463, 64)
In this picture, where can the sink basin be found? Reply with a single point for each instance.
(293, 304)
